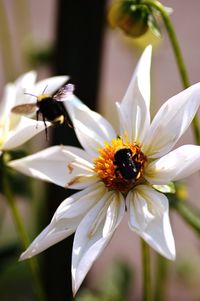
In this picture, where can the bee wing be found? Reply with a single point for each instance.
(64, 93)
(25, 109)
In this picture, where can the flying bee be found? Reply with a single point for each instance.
(50, 107)
(125, 164)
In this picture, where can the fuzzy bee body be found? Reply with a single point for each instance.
(125, 164)
(51, 110)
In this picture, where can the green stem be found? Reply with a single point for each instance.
(33, 264)
(188, 213)
(147, 292)
(178, 55)
(161, 278)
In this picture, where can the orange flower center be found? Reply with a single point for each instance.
(120, 165)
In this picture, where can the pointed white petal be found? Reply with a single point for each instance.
(171, 121)
(73, 101)
(50, 85)
(65, 220)
(140, 79)
(91, 128)
(51, 235)
(7, 102)
(26, 80)
(149, 218)
(93, 234)
(178, 164)
(24, 131)
(62, 165)
(134, 109)
(114, 213)
(79, 203)
(24, 84)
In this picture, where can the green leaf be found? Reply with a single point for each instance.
(153, 25)
(189, 213)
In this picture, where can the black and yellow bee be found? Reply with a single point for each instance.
(125, 164)
(50, 107)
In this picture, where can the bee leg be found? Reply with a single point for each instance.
(117, 172)
(46, 133)
(70, 125)
(135, 157)
(68, 122)
(37, 117)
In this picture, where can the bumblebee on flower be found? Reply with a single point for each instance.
(116, 172)
(120, 165)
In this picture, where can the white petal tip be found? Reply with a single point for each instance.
(24, 256)
(172, 256)
(75, 288)
(149, 48)
(148, 51)
(15, 165)
(74, 292)
(29, 253)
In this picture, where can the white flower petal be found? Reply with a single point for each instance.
(134, 109)
(50, 85)
(62, 165)
(24, 84)
(7, 102)
(177, 164)
(26, 80)
(139, 212)
(24, 131)
(171, 121)
(115, 213)
(48, 237)
(79, 203)
(91, 128)
(150, 219)
(65, 220)
(140, 79)
(91, 237)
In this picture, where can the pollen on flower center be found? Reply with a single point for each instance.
(120, 164)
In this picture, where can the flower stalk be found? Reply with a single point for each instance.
(161, 278)
(190, 214)
(147, 289)
(33, 264)
(178, 56)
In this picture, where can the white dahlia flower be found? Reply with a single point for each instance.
(116, 172)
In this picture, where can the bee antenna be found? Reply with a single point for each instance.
(44, 89)
(30, 94)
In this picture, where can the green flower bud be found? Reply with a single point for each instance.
(131, 19)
